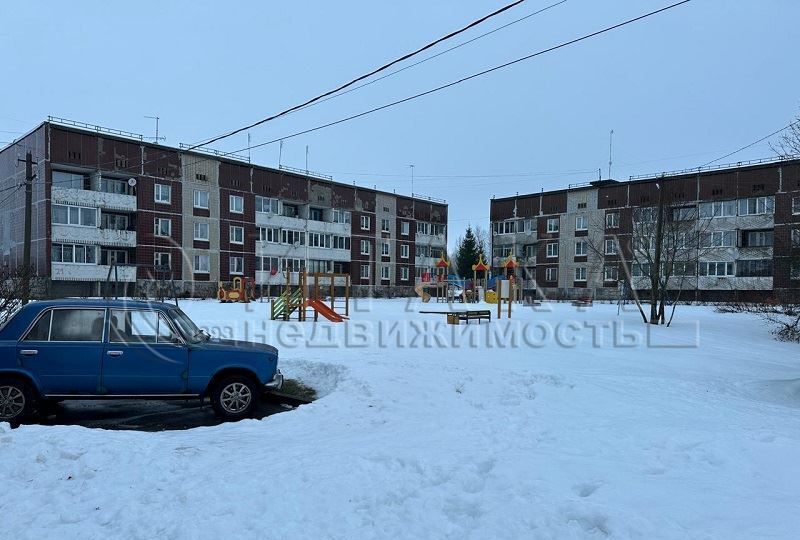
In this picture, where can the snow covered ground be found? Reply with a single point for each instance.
(560, 423)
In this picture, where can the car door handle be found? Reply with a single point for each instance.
(114, 353)
(29, 352)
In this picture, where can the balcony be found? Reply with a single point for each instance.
(268, 219)
(71, 234)
(90, 272)
(98, 199)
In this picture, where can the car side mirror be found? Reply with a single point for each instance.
(177, 341)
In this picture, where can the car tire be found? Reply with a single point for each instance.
(234, 397)
(16, 400)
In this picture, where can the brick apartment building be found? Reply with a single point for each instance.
(103, 196)
(745, 220)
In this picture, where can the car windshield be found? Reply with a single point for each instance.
(187, 326)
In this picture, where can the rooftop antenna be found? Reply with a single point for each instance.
(156, 138)
(610, 143)
(248, 146)
(599, 173)
(280, 153)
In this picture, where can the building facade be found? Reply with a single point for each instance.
(732, 233)
(108, 203)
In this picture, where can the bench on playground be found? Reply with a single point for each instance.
(584, 301)
(455, 317)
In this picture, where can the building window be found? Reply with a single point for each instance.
(684, 268)
(162, 259)
(200, 199)
(423, 227)
(269, 234)
(115, 222)
(610, 273)
(717, 239)
(717, 269)
(640, 270)
(74, 215)
(684, 213)
(266, 205)
(292, 265)
(267, 264)
(581, 223)
(72, 253)
(340, 216)
(162, 227)
(717, 209)
(385, 249)
(236, 234)
(385, 273)
(340, 242)
(437, 229)
(404, 251)
(364, 271)
(365, 247)
(404, 273)
(756, 206)
(237, 265)
(794, 271)
(68, 180)
(291, 237)
(551, 274)
(237, 204)
(580, 273)
(202, 264)
(163, 194)
(795, 205)
(201, 231)
(384, 225)
(404, 228)
(580, 249)
(315, 214)
(365, 222)
(552, 249)
(581, 205)
(754, 268)
(611, 246)
(552, 225)
(796, 238)
(758, 239)
(612, 220)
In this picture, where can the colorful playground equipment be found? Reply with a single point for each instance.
(242, 290)
(478, 287)
(309, 293)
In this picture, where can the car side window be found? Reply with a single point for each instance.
(40, 330)
(77, 324)
(132, 326)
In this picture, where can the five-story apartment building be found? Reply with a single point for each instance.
(106, 202)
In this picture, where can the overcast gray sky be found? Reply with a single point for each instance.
(679, 89)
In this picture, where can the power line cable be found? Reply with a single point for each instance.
(464, 79)
(762, 139)
(476, 38)
(362, 77)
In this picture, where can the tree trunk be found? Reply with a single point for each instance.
(655, 271)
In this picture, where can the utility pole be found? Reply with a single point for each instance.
(26, 256)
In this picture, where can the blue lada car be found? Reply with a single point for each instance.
(113, 349)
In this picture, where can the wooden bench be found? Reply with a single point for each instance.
(475, 315)
(585, 301)
(455, 317)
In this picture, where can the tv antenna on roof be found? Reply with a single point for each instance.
(156, 138)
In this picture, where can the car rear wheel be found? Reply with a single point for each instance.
(16, 400)
(234, 397)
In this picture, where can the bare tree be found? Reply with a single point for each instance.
(662, 253)
(789, 143)
(12, 290)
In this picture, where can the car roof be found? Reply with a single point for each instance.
(99, 302)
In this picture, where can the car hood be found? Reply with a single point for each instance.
(246, 346)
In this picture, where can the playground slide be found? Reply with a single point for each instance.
(420, 290)
(324, 310)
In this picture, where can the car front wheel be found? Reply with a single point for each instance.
(16, 400)
(234, 397)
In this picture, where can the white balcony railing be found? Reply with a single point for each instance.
(98, 199)
(71, 234)
(90, 272)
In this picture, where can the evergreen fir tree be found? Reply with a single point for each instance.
(467, 253)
